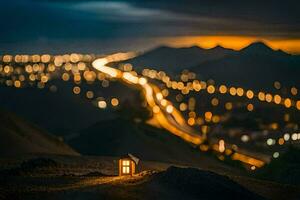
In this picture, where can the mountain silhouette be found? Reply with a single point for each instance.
(261, 48)
(174, 60)
(256, 66)
(19, 137)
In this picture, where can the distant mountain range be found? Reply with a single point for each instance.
(174, 60)
(255, 66)
(19, 137)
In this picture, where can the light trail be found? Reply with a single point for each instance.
(172, 120)
(41, 69)
(164, 118)
(185, 88)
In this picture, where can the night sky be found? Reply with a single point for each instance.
(30, 26)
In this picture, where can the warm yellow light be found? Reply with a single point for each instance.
(22, 78)
(81, 66)
(17, 84)
(200, 121)
(208, 115)
(232, 91)
(294, 91)
(233, 42)
(298, 105)
(211, 89)
(287, 102)
(204, 129)
(261, 96)
(76, 90)
(240, 91)
(125, 162)
(9, 82)
(51, 68)
(156, 109)
(65, 76)
(125, 166)
(228, 106)
(90, 76)
(183, 107)
(142, 81)
(45, 58)
(223, 89)
(77, 77)
(191, 121)
(269, 98)
(163, 102)
(100, 63)
(89, 94)
(28, 69)
(192, 103)
(281, 141)
(7, 69)
(277, 99)
(114, 102)
(130, 77)
(68, 66)
(36, 67)
(74, 58)
(7, 58)
(250, 94)
(165, 92)
(44, 79)
(32, 77)
(102, 104)
(221, 146)
(196, 85)
(250, 107)
(216, 119)
(192, 114)
(159, 96)
(214, 102)
(169, 108)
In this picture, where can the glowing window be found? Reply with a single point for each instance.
(125, 167)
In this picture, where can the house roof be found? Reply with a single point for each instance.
(131, 157)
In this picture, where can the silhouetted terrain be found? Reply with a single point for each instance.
(18, 137)
(285, 169)
(62, 112)
(174, 60)
(256, 66)
(189, 183)
(114, 137)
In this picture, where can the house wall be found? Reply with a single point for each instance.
(131, 166)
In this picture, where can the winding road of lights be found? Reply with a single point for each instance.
(164, 112)
(40, 68)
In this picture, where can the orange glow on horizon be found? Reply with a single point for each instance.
(291, 46)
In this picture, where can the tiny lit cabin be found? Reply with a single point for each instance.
(127, 165)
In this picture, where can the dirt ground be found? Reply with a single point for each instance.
(96, 178)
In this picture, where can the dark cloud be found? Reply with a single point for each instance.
(33, 20)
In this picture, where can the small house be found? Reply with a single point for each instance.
(127, 165)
